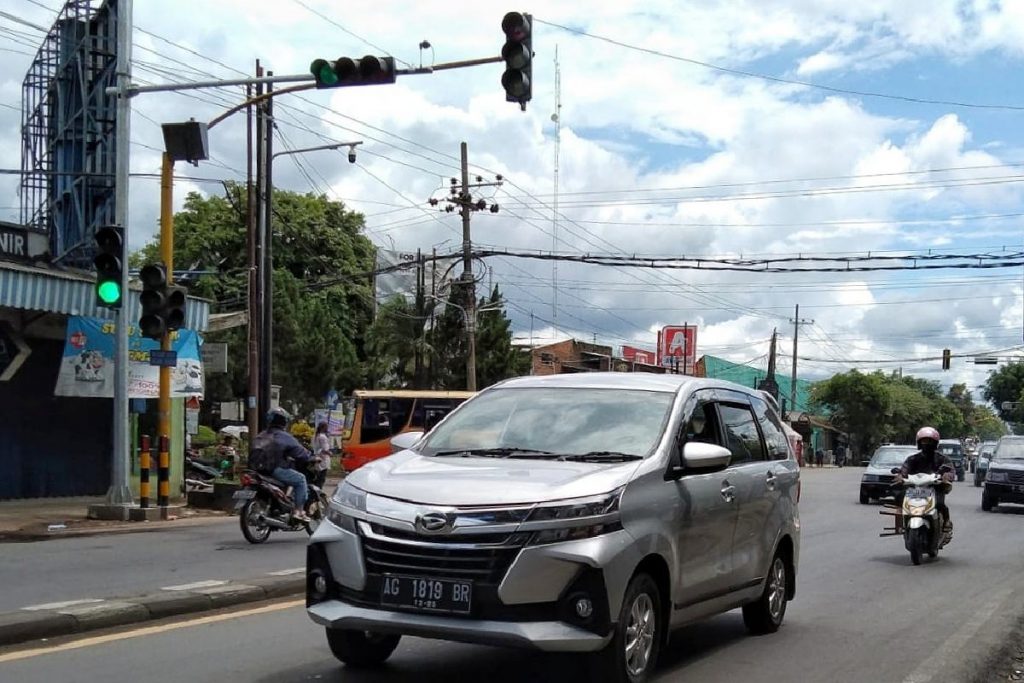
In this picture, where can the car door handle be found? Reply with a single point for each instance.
(728, 492)
(769, 480)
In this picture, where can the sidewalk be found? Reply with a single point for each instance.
(36, 519)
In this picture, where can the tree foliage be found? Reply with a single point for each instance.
(323, 297)
(1007, 385)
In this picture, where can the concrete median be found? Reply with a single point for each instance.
(80, 616)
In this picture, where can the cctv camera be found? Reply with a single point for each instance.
(352, 156)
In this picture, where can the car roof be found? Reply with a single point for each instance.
(641, 381)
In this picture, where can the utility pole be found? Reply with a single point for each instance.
(462, 197)
(252, 403)
(267, 338)
(797, 321)
(119, 492)
(557, 118)
(259, 275)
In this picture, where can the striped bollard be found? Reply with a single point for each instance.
(163, 470)
(144, 465)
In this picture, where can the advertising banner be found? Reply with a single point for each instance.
(635, 355)
(677, 346)
(87, 369)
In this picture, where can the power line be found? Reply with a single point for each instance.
(342, 28)
(777, 79)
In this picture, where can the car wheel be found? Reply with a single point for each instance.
(987, 503)
(361, 648)
(765, 615)
(633, 652)
(864, 497)
(960, 477)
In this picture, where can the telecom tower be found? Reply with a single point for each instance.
(557, 118)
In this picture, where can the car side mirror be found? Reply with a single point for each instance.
(405, 441)
(698, 456)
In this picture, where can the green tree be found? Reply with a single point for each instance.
(961, 397)
(858, 404)
(909, 410)
(986, 424)
(323, 295)
(399, 347)
(1007, 384)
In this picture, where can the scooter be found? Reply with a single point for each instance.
(265, 504)
(918, 519)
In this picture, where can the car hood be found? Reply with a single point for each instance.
(877, 469)
(1010, 465)
(475, 481)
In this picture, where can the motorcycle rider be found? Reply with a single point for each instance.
(928, 460)
(286, 451)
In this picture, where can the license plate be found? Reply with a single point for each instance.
(244, 494)
(426, 595)
(919, 493)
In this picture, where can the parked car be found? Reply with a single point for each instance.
(1004, 481)
(954, 450)
(984, 456)
(587, 513)
(878, 477)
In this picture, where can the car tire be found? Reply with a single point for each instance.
(766, 615)
(988, 503)
(640, 620)
(864, 497)
(361, 649)
(960, 477)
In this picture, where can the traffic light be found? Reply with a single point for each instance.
(163, 305)
(518, 55)
(109, 268)
(345, 71)
(946, 356)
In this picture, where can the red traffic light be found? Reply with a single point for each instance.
(515, 26)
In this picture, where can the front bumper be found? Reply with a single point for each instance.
(878, 489)
(548, 636)
(1005, 493)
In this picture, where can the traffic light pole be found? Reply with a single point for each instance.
(163, 486)
(119, 493)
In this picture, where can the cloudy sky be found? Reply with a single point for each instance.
(673, 143)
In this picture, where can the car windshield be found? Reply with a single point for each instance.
(545, 421)
(1011, 450)
(890, 457)
(953, 450)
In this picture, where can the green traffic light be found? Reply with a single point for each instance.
(323, 72)
(109, 292)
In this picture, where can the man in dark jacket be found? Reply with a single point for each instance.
(928, 460)
(286, 451)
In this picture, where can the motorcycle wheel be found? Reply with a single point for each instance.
(253, 531)
(917, 543)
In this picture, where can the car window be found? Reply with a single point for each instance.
(702, 425)
(774, 438)
(741, 435)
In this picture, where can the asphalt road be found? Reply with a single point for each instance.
(129, 564)
(862, 613)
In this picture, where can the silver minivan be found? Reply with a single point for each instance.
(588, 513)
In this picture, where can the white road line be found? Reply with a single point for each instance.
(930, 667)
(62, 605)
(287, 572)
(193, 586)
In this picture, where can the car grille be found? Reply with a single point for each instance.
(440, 559)
(1015, 477)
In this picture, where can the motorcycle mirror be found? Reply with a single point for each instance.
(895, 470)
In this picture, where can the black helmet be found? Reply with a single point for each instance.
(278, 417)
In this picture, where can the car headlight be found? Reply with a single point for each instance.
(996, 477)
(347, 495)
(583, 517)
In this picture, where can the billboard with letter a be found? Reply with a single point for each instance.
(677, 347)
(635, 355)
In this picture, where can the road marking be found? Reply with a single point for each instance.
(930, 667)
(62, 605)
(146, 631)
(193, 586)
(287, 572)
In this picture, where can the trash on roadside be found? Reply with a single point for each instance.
(56, 527)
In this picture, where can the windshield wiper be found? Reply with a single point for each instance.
(503, 452)
(600, 456)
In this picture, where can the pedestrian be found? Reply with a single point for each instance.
(819, 457)
(840, 455)
(321, 448)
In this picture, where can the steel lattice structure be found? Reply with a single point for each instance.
(67, 132)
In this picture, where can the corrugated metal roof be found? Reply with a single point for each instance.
(71, 293)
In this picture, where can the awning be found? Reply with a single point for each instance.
(73, 293)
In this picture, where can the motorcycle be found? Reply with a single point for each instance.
(918, 519)
(265, 504)
(200, 473)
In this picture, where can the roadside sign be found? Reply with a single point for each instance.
(163, 359)
(13, 352)
(215, 356)
(677, 344)
(635, 355)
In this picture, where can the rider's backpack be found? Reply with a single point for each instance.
(264, 454)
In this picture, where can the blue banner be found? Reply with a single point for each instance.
(87, 368)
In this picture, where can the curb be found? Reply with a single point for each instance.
(81, 616)
(29, 536)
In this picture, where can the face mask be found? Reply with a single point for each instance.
(928, 448)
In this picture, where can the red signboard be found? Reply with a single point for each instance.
(677, 347)
(635, 355)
